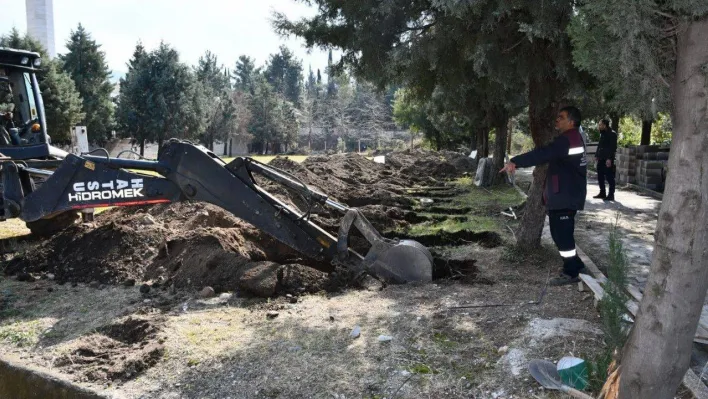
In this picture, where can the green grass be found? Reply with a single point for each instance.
(471, 223)
(268, 158)
(498, 198)
(21, 334)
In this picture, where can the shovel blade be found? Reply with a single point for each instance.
(546, 374)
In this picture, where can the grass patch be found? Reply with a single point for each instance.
(21, 334)
(443, 340)
(470, 223)
(421, 368)
(268, 158)
(494, 198)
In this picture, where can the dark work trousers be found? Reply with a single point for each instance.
(562, 224)
(604, 172)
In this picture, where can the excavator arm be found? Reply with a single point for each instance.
(189, 172)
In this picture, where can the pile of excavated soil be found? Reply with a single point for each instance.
(380, 191)
(188, 245)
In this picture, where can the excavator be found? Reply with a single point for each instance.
(47, 187)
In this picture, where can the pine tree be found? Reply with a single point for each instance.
(245, 74)
(131, 111)
(219, 111)
(284, 74)
(162, 97)
(62, 104)
(86, 64)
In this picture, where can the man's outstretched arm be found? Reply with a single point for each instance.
(559, 148)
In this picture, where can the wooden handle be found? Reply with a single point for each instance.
(576, 394)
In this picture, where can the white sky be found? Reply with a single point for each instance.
(228, 28)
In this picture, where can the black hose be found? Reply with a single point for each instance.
(108, 156)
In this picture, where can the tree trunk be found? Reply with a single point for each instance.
(486, 142)
(502, 129)
(615, 121)
(646, 132)
(142, 148)
(658, 351)
(510, 127)
(481, 136)
(231, 147)
(542, 113)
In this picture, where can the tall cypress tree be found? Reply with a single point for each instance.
(86, 64)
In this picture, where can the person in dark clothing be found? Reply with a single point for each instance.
(605, 158)
(565, 188)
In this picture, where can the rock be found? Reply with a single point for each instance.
(147, 220)
(426, 201)
(272, 314)
(260, 279)
(385, 338)
(207, 292)
(94, 284)
(129, 282)
(145, 288)
(26, 277)
(331, 318)
(356, 332)
(291, 299)
(50, 276)
(504, 349)
(371, 284)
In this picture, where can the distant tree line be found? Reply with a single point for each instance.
(160, 97)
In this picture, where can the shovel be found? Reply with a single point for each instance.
(547, 375)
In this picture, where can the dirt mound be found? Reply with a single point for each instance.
(424, 165)
(186, 245)
(109, 253)
(118, 351)
(358, 181)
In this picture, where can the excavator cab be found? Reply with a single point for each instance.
(22, 118)
(183, 171)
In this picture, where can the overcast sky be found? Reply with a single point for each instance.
(228, 28)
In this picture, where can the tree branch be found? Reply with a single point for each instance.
(417, 28)
(663, 80)
(664, 14)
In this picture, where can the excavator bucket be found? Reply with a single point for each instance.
(398, 261)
